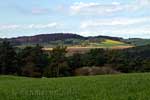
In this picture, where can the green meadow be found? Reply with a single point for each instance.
(105, 87)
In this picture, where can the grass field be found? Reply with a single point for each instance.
(109, 87)
(112, 43)
(107, 43)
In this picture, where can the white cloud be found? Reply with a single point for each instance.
(29, 26)
(91, 8)
(97, 8)
(143, 2)
(139, 32)
(113, 22)
(50, 25)
(9, 26)
(121, 27)
(39, 10)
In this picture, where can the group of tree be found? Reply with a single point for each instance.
(35, 62)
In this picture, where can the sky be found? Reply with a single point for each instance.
(121, 18)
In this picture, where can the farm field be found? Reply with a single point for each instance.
(105, 87)
(77, 49)
(107, 44)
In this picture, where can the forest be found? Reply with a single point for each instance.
(35, 62)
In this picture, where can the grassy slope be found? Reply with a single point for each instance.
(139, 42)
(110, 87)
(107, 43)
(111, 43)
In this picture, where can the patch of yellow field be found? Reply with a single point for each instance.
(108, 41)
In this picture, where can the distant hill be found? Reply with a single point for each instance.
(59, 38)
(138, 41)
(107, 37)
(68, 39)
(43, 38)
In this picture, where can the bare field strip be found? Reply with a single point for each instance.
(76, 49)
(85, 48)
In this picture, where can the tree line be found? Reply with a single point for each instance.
(35, 62)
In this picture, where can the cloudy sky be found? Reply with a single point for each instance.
(123, 18)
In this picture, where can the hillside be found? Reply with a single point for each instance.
(109, 87)
(110, 43)
(67, 39)
(138, 41)
(44, 38)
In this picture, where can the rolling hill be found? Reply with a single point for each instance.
(67, 39)
(138, 41)
(44, 38)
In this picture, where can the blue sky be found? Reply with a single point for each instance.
(123, 18)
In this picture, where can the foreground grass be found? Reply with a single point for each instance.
(109, 87)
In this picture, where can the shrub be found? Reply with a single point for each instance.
(31, 71)
(95, 71)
